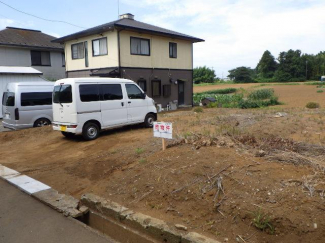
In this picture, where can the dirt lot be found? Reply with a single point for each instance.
(224, 171)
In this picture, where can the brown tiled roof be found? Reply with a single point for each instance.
(129, 24)
(28, 38)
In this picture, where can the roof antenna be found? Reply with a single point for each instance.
(118, 9)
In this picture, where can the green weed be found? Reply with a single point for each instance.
(312, 105)
(139, 150)
(262, 221)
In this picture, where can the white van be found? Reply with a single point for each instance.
(88, 105)
(27, 104)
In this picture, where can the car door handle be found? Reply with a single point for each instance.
(122, 103)
(129, 102)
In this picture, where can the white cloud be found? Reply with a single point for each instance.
(5, 22)
(237, 32)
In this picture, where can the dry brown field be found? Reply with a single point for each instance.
(224, 169)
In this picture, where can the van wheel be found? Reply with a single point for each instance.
(90, 131)
(148, 121)
(42, 122)
(68, 134)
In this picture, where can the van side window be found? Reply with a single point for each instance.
(89, 92)
(111, 91)
(134, 92)
(36, 98)
(8, 99)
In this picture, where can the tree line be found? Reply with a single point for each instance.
(290, 66)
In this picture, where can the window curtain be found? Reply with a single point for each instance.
(103, 46)
(135, 46)
(74, 51)
(96, 47)
(80, 50)
(144, 47)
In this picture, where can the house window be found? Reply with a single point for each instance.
(167, 89)
(40, 58)
(63, 59)
(100, 47)
(143, 84)
(156, 88)
(172, 50)
(78, 51)
(140, 46)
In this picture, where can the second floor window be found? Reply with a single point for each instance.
(140, 46)
(78, 51)
(172, 50)
(40, 58)
(100, 47)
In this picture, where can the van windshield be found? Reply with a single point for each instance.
(8, 99)
(62, 94)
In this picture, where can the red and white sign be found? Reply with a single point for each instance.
(163, 130)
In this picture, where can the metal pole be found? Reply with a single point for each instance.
(306, 70)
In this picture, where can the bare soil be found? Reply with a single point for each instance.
(225, 169)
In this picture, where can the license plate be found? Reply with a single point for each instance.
(7, 116)
(63, 128)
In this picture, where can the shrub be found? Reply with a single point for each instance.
(198, 109)
(312, 105)
(261, 94)
(320, 91)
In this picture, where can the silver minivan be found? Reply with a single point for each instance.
(27, 104)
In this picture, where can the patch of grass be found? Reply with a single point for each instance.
(312, 105)
(276, 84)
(261, 94)
(320, 91)
(314, 83)
(198, 109)
(139, 150)
(214, 83)
(142, 161)
(262, 221)
(250, 103)
(197, 97)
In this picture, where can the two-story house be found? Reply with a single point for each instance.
(158, 59)
(32, 48)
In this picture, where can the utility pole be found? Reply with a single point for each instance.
(306, 69)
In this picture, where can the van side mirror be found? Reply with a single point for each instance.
(144, 95)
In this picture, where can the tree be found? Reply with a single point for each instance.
(203, 75)
(242, 75)
(291, 67)
(266, 66)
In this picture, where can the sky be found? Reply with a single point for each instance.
(236, 32)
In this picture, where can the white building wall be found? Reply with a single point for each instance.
(12, 56)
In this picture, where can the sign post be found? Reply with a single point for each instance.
(163, 130)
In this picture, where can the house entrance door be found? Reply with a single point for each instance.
(181, 92)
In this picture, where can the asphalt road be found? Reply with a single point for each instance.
(25, 219)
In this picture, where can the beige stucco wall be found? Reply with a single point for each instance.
(109, 60)
(159, 56)
(159, 53)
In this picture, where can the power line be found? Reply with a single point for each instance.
(50, 20)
